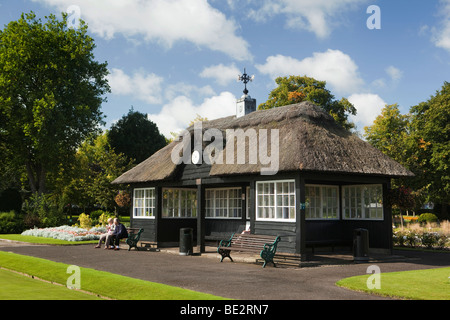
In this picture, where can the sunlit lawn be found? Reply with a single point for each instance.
(98, 282)
(429, 284)
(18, 287)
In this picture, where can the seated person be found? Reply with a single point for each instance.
(109, 230)
(120, 232)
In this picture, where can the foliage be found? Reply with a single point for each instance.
(420, 141)
(51, 90)
(295, 89)
(96, 166)
(135, 136)
(420, 235)
(84, 221)
(10, 222)
(430, 146)
(388, 132)
(123, 199)
(10, 199)
(42, 210)
(103, 219)
(427, 217)
(402, 198)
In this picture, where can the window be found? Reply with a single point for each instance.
(322, 202)
(275, 200)
(363, 202)
(144, 203)
(223, 203)
(179, 203)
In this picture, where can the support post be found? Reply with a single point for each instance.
(252, 207)
(200, 217)
(300, 221)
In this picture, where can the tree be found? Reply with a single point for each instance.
(96, 166)
(295, 89)
(135, 136)
(430, 144)
(421, 142)
(51, 90)
(389, 132)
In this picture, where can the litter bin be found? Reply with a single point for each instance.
(186, 240)
(360, 245)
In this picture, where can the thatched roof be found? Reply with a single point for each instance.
(309, 140)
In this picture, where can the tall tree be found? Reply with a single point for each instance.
(389, 132)
(421, 142)
(430, 144)
(295, 89)
(51, 90)
(96, 165)
(135, 136)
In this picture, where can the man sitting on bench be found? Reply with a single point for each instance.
(120, 232)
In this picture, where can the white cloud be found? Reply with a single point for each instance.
(177, 114)
(368, 107)
(222, 74)
(332, 66)
(441, 33)
(395, 73)
(163, 21)
(146, 87)
(317, 16)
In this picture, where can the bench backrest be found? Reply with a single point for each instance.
(251, 241)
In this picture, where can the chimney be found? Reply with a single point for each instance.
(245, 104)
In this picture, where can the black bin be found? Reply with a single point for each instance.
(360, 245)
(186, 240)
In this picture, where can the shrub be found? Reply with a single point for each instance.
(427, 217)
(85, 221)
(103, 220)
(10, 222)
(42, 210)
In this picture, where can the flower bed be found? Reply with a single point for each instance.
(411, 238)
(66, 233)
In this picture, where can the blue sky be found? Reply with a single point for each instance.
(174, 59)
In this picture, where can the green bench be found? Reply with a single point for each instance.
(266, 246)
(134, 234)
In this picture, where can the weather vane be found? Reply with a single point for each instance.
(245, 78)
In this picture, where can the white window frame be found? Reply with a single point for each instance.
(182, 209)
(323, 202)
(365, 209)
(275, 205)
(211, 203)
(147, 203)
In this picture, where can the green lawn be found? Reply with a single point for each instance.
(42, 240)
(18, 287)
(429, 284)
(98, 282)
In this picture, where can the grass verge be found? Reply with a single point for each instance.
(99, 282)
(429, 284)
(42, 240)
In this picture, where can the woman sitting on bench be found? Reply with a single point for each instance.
(120, 232)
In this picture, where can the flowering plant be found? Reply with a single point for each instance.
(66, 233)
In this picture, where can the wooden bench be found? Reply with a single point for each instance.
(134, 234)
(266, 246)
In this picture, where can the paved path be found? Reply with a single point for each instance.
(238, 280)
